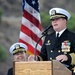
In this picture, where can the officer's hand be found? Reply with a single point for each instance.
(62, 58)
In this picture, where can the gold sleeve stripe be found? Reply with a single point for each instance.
(73, 58)
(40, 58)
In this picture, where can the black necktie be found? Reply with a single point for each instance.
(57, 35)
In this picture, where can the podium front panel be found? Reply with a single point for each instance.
(33, 68)
(40, 68)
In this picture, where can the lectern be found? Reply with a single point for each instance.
(40, 68)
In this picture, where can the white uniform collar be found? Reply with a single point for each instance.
(60, 32)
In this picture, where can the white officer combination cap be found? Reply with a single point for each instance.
(59, 12)
(17, 47)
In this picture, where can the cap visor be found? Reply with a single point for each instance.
(56, 16)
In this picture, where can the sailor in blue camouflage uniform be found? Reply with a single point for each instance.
(59, 47)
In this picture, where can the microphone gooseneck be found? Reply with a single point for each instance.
(46, 30)
(43, 34)
(36, 47)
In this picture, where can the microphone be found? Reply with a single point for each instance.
(46, 30)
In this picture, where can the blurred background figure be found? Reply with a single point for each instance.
(18, 50)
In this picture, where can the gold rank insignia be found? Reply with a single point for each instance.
(48, 42)
(65, 46)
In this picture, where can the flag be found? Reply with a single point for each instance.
(31, 27)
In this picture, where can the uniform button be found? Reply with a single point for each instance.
(50, 58)
(51, 50)
(59, 51)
